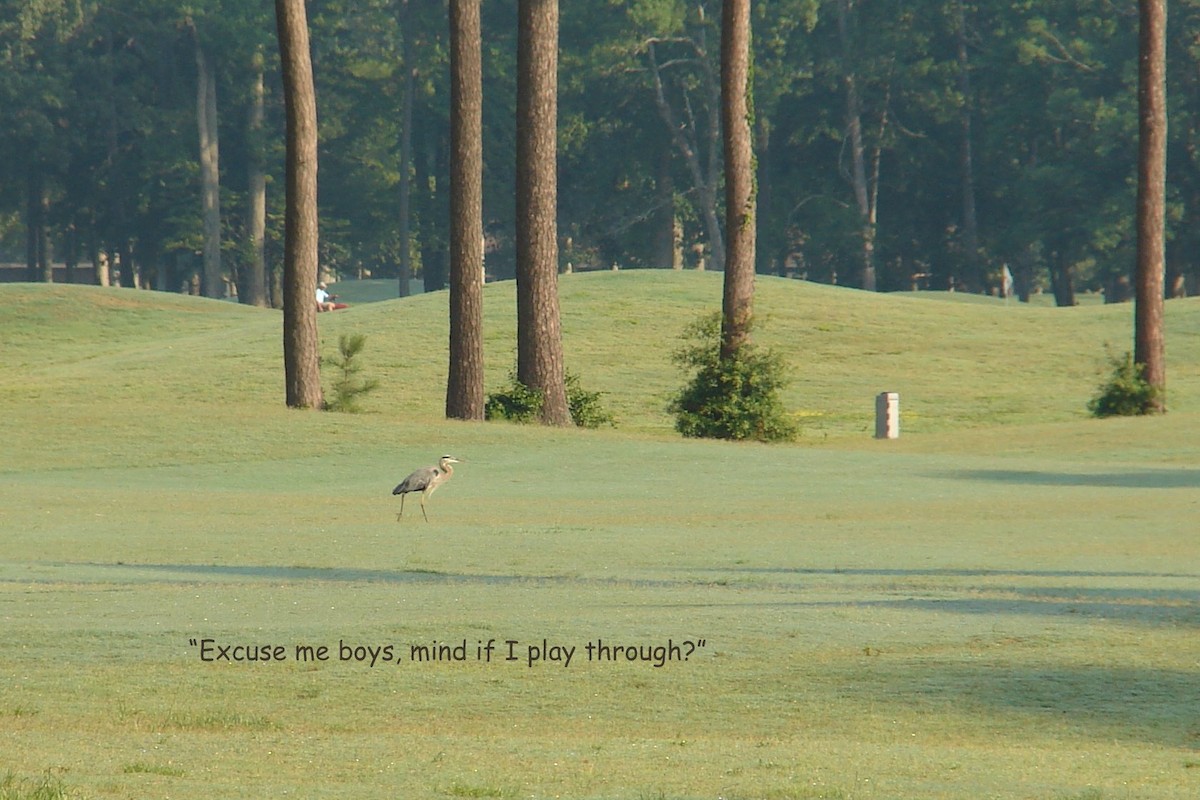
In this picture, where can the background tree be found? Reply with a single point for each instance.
(253, 288)
(1149, 346)
(408, 78)
(1028, 107)
(866, 196)
(464, 386)
(210, 167)
(300, 343)
(687, 94)
(539, 335)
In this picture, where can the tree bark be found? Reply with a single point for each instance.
(38, 264)
(210, 171)
(71, 256)
(970, 219)
(539, 335)
(667, 248)
(300, 343)
(857, 147)
(406, 159)
(254, 289)
(100, 264)
(117, 229)
(738, 300)
(1062, 281)
(686, 137)
(464, 387)
(1149, 341)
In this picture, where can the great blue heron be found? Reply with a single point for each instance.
(425, 481)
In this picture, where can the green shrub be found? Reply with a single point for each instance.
(735, 398)
(1126, 393)
(520, 403)
(347, 387)
(586, 408)
(515, 402)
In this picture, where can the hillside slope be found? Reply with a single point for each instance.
(955, 364)
(76, 353)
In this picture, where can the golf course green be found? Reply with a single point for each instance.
(205, 594)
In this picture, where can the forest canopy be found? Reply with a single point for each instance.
(928, 144)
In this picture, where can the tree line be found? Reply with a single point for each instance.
(919, 144)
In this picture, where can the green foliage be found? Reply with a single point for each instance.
(520, 403)
(586, 409)
(516, 402)
(347, 387)
(734, 398)
(1126, 393)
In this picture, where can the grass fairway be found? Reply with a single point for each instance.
(1004, 603)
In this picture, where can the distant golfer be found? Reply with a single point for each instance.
(325, 299)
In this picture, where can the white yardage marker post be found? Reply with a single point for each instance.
(887, 415)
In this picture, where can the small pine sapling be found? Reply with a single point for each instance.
(347, 387)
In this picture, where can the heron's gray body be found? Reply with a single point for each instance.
(425, 480)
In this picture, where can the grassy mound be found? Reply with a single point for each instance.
(956, 365)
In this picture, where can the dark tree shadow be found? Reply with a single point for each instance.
(1132, 479)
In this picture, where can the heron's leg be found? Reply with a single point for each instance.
(423, 507)
(401, 514)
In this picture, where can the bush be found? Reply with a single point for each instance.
(347, 387)
(735, 398)
(1126, 393)
(520, 403)
(585, 406)
(515, 402)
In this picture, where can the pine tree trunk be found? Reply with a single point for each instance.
(124, 262)
(116, 228)
(1149, 343)
(406, 159)
(71, 256)
(254, 289)
(210, 177)
(100, 272)
(539, 335)
(857, 148)
(464, 388)
(970, 220)
(667, 250)
(1062, 281)
(738, 302)
(38, 266)
(300, 343)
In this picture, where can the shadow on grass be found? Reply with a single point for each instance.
(1110, 702)
(1140, 605)
(1151, 608)
(953, 572)
(271, 572)
(219, 573)
(909, 590)
(1170, 606)
(1133, 479)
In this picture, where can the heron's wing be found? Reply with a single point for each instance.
(417, 481)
